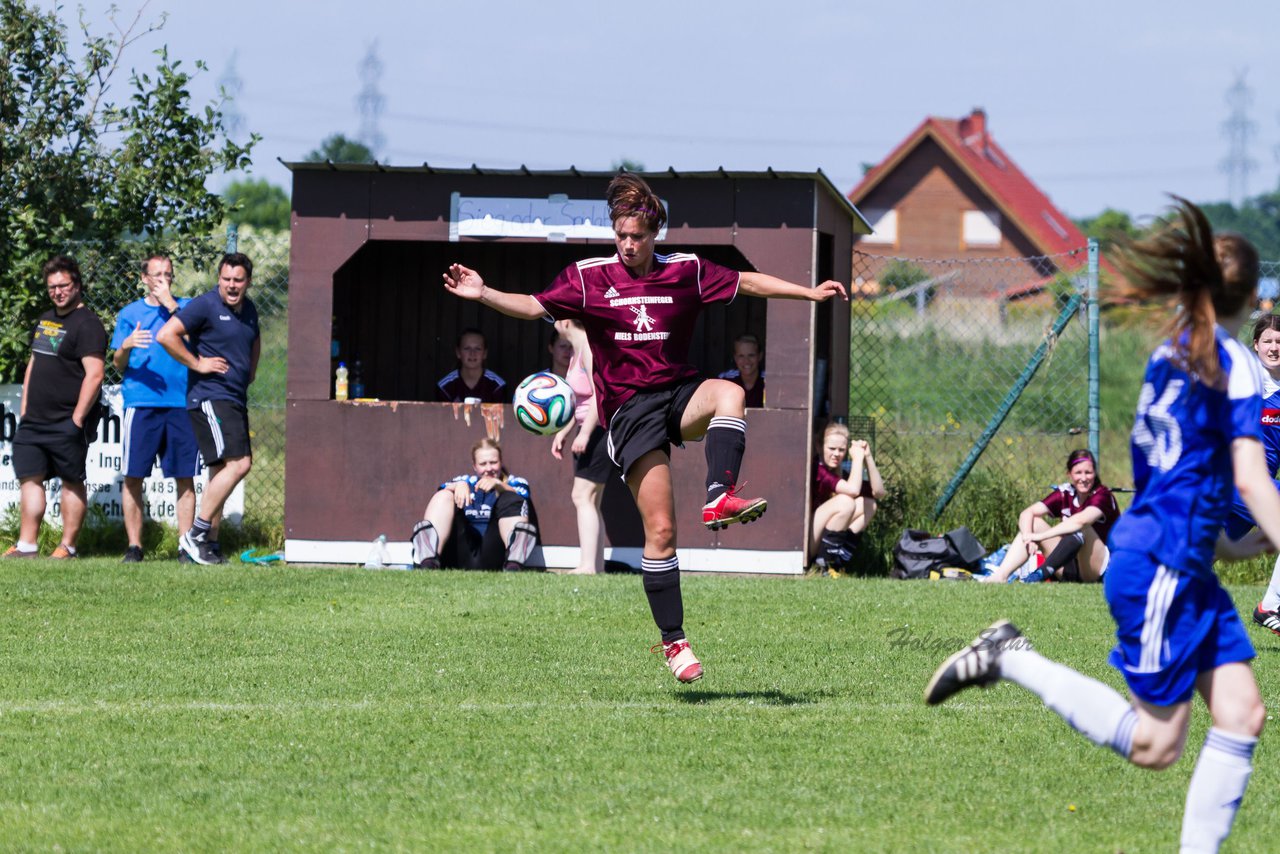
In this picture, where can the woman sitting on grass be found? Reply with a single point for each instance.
(1076, 547)
(843, 506)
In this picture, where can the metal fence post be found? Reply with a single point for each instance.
(233, 237)
(1091, 296)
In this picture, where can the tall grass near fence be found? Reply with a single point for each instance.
(922, 443)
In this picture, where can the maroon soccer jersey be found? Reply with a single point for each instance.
(639, 329)
(1064, 501)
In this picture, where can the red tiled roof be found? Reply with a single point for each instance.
(968, 142)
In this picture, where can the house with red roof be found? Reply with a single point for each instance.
(949, 191)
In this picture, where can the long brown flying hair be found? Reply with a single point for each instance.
(1207, 275)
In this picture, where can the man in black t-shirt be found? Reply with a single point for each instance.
(60, 408)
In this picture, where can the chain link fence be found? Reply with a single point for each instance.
(112, 280)
(970, 367)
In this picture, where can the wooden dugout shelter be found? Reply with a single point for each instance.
(369, 246)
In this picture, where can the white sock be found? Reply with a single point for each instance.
(70, 549)
(24, 546)
(1093, 709)
(1271, 599)
(1217, 787)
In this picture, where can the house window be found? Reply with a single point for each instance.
(885, 227)
(981, 230)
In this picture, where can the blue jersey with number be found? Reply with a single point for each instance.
(1181, 447)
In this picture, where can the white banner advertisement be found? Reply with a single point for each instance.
(103, 481)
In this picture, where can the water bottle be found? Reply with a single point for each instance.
(340, 382)
(378, 554)
(357, 381)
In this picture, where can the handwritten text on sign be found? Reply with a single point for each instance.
(554, 218)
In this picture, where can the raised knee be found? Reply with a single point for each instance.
(731, 399)
(844, 503)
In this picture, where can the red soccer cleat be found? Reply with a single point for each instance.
(683, 663)
(729, 508)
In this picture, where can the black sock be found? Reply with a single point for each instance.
(1064, 552)
(662, 587)
(726, 443)
(835, 549)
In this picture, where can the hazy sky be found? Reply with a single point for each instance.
(1103, 104)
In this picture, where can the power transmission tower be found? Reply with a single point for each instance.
(370, 100)
(1239, 130)
(231, 86)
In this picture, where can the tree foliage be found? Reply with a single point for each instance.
(76, 164)
(337, 148)
(1108, 227)
(257, 202)
(1258, 220)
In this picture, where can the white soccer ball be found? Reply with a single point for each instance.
(544, 403)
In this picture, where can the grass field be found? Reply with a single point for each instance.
(166, 707)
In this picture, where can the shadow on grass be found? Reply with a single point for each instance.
(763, 698)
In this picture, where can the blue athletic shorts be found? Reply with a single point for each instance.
(164, 432)
(1170, 627)
(1240, 521)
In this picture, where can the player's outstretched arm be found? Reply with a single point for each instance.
(466, 283)
(1249, 462)
(771, 287)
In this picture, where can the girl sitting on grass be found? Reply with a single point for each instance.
(1075, 549)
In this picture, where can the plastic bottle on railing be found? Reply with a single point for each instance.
(357, 381)
(378, 554)
(340, 382)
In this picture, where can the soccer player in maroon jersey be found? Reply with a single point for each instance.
(639, 310)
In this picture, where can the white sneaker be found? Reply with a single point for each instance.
(1023, 571)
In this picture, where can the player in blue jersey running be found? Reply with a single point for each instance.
(1196, 434)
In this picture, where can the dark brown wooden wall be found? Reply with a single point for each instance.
(369, 249)
(393, 314)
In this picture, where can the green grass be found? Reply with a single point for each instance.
(231, 708)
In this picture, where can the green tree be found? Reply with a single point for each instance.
(257, 202)
(1108, 227)
(626, 164)
(336, 148)
(77, 165)
(1258, 220)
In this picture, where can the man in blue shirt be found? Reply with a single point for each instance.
(155, 393)
(222, 328)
